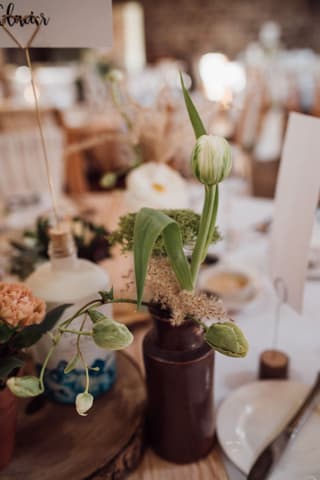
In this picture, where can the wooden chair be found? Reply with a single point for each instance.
(21, 123)
(22, 167)
(22, 118)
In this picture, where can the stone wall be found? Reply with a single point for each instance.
(186, 28)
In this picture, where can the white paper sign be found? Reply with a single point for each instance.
(63, 23)
(296, 200)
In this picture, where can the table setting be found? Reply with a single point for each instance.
(256, 316)
(158, 319)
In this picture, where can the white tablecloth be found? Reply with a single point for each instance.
(299, 335)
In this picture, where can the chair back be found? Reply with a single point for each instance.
(22, 165)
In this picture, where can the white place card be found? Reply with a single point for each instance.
(63, 23)
(297, 195)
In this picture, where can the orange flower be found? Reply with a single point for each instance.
(18, 306)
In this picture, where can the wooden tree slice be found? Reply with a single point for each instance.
(55, 443)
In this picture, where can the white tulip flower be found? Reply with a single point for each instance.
(211, 159)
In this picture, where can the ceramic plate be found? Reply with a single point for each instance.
(252, 415)
(243, 297)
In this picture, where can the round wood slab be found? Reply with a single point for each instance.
(55, 443)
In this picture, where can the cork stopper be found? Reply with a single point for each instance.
(61, 241)
(273, 365)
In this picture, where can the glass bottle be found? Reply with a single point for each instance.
(67, 279)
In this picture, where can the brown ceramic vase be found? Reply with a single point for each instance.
(8, 418)
(179, 375)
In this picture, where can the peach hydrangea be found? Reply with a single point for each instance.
(18, 306)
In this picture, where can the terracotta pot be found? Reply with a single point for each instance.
(8, 417)
(179, 374)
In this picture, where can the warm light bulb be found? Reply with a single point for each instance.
(221, 78)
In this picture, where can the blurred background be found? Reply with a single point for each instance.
(246, 63)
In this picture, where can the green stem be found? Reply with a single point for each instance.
(97, 303)
(44, 366)
(213, 222)
(202, 238)
(117, 103)
(63, 328)
(87, 376)
(128, 300)
(76, 332)
(82, 310)
(82, 358)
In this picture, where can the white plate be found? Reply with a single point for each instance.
(252, 415)
(244, 297)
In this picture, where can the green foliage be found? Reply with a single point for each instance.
(194, 116)
(149, 225)
(95, 316)
(187, 220)
(107, 295)
(25, 387)
(14, 340)
(30, 335)
(111, 335)
(90, 239)
(227, 338)
(6, 332)
(212, 225)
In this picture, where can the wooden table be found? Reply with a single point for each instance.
(106, 209)
(54, 442)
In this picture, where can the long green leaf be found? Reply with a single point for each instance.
(52, 317)
(6, 332)
(174, 248)
(194, 116)
(32, 334)
(149, 225)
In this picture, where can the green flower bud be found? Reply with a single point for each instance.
(25, 386)
(106, 295)
(227, 339)
(111, 335)
(84, 402)
(211, 159)
(96, 316)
